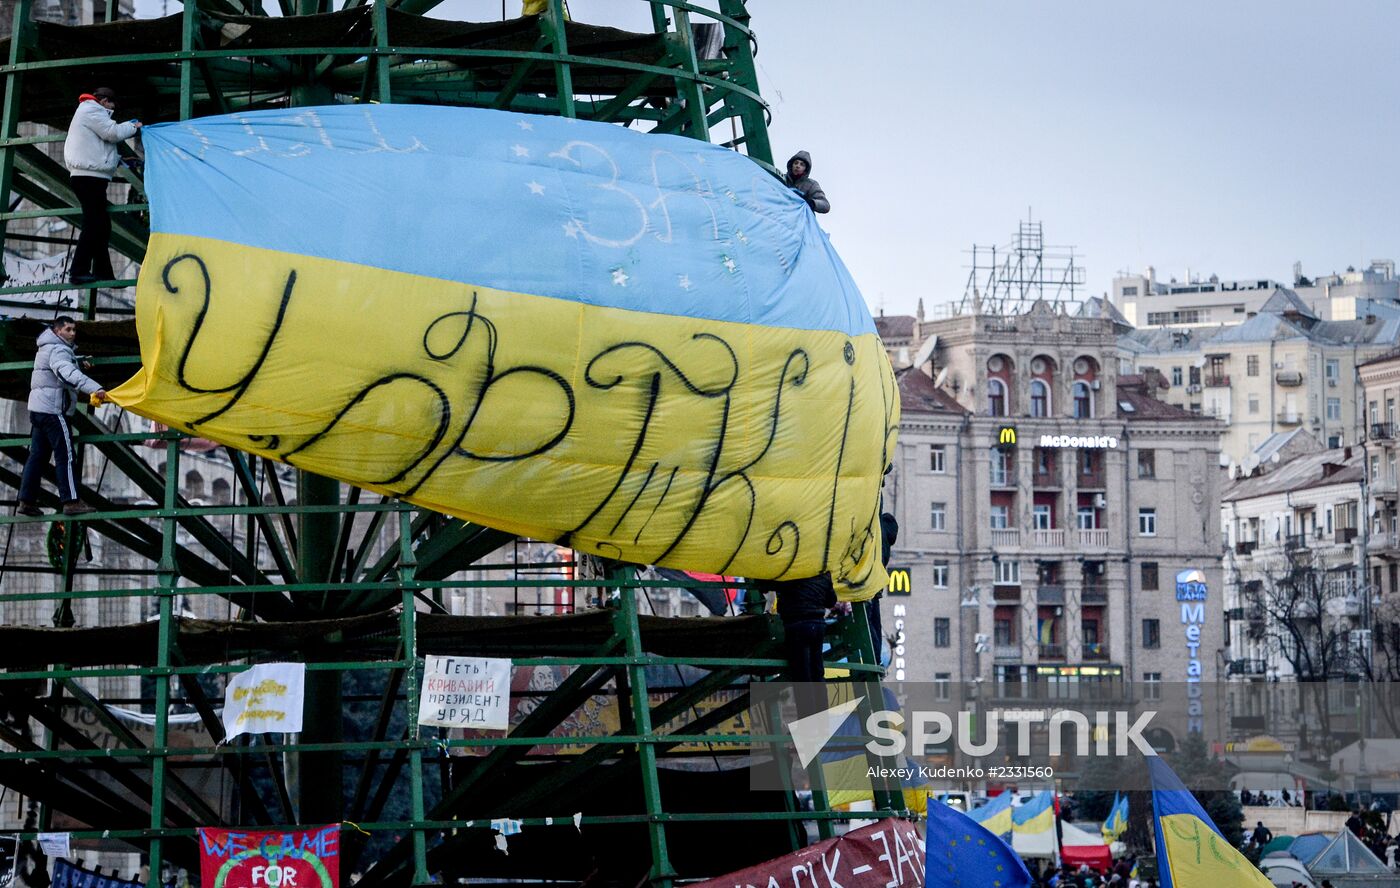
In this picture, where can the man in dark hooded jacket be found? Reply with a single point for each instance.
(799, 179)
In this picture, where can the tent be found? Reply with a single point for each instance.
(1081, 846)
(1277, 843)
(1346, 861)
(1286, 871)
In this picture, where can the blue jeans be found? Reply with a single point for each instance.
(51, 437)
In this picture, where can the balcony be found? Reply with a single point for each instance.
(1246, 667)
(1093, 593)
(1289, 418)
(1003, 537)
(1001, 479)
(1006, 594)
(1045, 479)
(1220, 381)
(1052, 652)
(1344, 535)
(1289, 378)
(1053, 538)
(1091, 480)
(1093, 539)
(1382, 431)
(1295, 541)
(1048, 593)
(1006, 651)
(1095, 651)
(1246, 547)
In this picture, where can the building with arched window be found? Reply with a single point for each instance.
(1047, 503)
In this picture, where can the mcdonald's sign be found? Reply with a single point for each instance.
(1007, 436)
(900, 583)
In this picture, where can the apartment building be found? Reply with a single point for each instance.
(902, 335)
(1148, 302)
(1295, 538)
(1283, 369)
(1053, 554)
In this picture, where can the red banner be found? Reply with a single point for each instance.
(304, 858)
(888, 854)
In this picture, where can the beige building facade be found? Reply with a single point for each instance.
(1056, 559)
(1281, 370)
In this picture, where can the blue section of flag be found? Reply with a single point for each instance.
(589, 212)
(1170, 796)
(960, 853)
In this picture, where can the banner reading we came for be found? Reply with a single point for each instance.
(305, 858)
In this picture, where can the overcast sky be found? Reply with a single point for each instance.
(1229, 138)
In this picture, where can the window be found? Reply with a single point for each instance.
(942, 633)
(1130, 291)
(1001, 468)
(996, 397)
(938, 516)
(1176, 376)
(1334, 371)
(1152, 685)
(942, 685)
(1009, 573)
(1147, 522)
(1147, 464)
(938, 458)
(1040, 398)
(940, 575)
(1087, 518)
(1040, 517)
(1004, 632)
(1151, 634)
(1372, 412)
(1334, 441)
(1390, 410)
(1000, 518)
(1251, 365)
(1083, 401)
(1149, 576)
(1334, 408)
(1253, 405)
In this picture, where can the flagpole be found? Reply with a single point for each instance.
(1055, 808)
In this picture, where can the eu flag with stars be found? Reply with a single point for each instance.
(960, 853)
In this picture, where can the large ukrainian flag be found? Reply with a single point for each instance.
(1037, 815)
(1191, 852)
(639, 346)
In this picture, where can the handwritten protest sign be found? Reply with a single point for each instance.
(265, 699)
(465, 692)
(306, 858)
(887, 854)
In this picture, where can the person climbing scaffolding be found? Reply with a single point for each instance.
(90, 153)
(52, 385)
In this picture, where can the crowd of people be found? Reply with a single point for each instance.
(1123, 875)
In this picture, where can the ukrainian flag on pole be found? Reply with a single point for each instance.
(959, 851)
(1190, 851)
(1035, 816)
(1117, 822)
(995, 816)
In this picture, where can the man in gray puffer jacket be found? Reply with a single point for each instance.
(90, 153)
(798, 178)
(52, 397)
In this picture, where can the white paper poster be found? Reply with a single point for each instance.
(465, 692)
(266, 699)
(56, 844)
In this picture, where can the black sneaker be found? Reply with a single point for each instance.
(77, 508)
(29, 509)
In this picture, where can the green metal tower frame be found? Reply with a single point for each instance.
(344, 612)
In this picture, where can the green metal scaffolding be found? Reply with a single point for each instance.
(356, 587)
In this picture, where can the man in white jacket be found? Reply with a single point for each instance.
(90, 153)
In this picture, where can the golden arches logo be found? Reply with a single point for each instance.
(1006, 436)
(900, 583)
